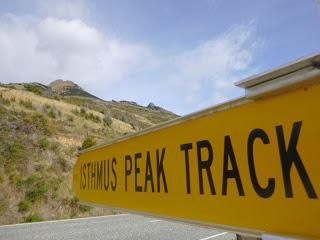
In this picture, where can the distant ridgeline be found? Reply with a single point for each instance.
(68, 88)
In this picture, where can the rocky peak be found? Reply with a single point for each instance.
(60, 84)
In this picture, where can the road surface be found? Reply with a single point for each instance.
(115, 227)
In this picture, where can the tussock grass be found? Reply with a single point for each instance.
(24, 205)
(34, 217)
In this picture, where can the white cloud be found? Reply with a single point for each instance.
(53, 48)
(207, 72)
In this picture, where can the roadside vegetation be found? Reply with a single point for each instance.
(40, 137)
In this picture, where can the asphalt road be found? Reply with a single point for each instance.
(122, 226)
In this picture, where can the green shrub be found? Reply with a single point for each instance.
(51, 113)
(34, 89)
(90, 116)
(74, 213)
(83, 112)
(38, 120)
(34, 217)
(27, 181)
(55, 195)
(10, 168)
(88, 142)
(43, 143)
(24, 205)
(3, 205)
(35, 120)
(74, 201)
(37, 192)
(27, 104)
(84, 208)
(1, 177)
(19, 181)
(12, 150)
(31, 179)
(13, 177)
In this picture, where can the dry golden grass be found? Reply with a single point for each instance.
(143, 119)
(120, 126)
(65, 108)
(67, 141)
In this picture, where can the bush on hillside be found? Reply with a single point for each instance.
(12, 150)
(1, 177)
(37, 120)
(43, 143)
(27, 181)
(26, 103)
(24, 205)
(33, 217)
(3, 205)
(88, 142)
(37, 192)
(50, 111)
(34, 89)
(94, 118)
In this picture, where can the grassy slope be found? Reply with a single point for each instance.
(39, 140)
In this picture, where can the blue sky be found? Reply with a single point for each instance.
(181, 55)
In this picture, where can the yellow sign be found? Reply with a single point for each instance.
(249, 166)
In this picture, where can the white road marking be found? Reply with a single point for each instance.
(156, 220)
(213, 236)
(63, 220)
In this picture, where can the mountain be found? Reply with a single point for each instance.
(42, 128)
(68, 88)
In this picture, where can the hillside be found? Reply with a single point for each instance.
(42, 129)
